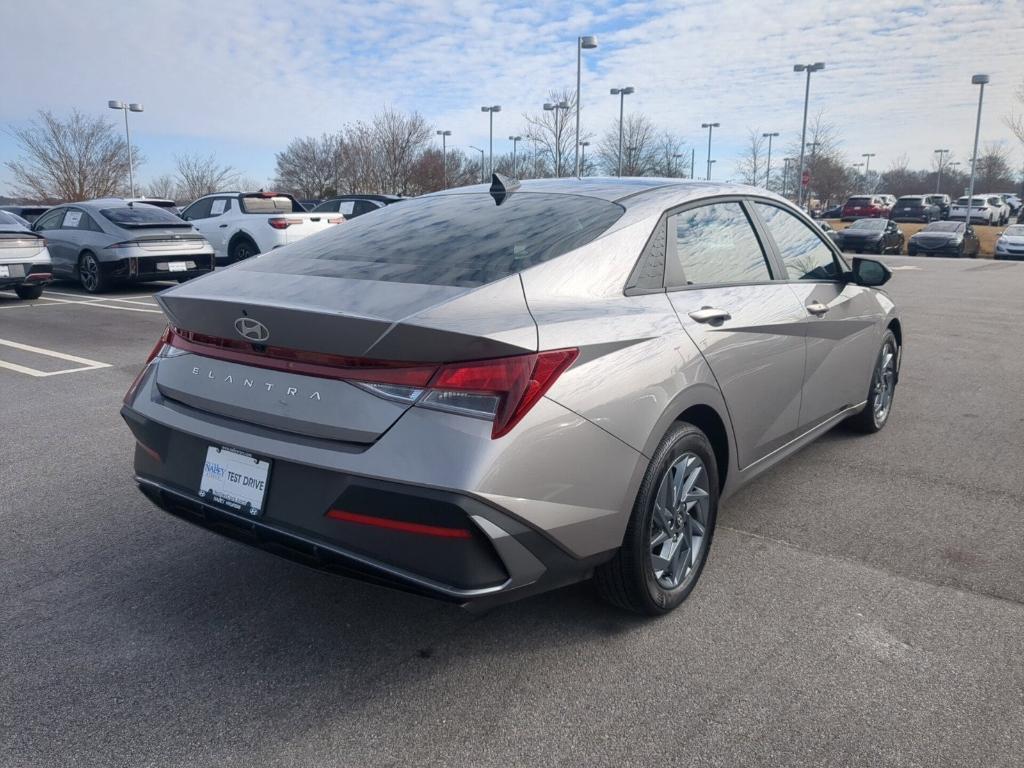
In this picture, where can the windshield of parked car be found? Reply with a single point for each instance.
(859, 201)
(261, 203)
(871, 224)
(944, 226)
(1017, 230)
(142, 215)
(454, 240)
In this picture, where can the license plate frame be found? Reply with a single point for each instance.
(235, 479)
(177, 266)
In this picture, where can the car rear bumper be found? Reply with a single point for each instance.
(433, 506)
(147, 268)
(26, 274)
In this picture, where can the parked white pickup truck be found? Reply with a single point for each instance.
(242, 224)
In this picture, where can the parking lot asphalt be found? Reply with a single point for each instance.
(863, 603)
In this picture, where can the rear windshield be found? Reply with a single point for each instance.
(454, 240)
(868, 224)
(10, 220)
(944, 226)
(859, 201)
(910, 201)
(142, 215)
(979, 201)
(276, 204)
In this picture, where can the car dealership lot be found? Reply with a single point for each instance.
(863, 602)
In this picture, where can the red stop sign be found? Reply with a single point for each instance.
(805, 179)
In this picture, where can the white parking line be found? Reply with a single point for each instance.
(85, 363)
(132, 299)
(99, 303)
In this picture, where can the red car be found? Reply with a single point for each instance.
(866, 207)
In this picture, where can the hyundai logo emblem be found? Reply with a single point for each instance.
(253, 330)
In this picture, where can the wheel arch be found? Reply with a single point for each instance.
(708, 421)
(241, 234)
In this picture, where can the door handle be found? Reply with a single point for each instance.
(222, 226)
(817, 309)
(710, 315)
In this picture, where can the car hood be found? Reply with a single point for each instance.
(936, 236)
(863, 234)
(1012, 239)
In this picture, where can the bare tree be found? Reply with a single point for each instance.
(831, 177)
(671, 158)
(749, 165)
(993, 173)
(899, 179)
(399, 140)
(198, 176)
(549, 144)
(79, 158)
(359, 172)
(640, 146)
(427, 173)
(1015, 120)
(309, 167)
(164, 187)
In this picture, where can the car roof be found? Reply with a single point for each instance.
(354, 196)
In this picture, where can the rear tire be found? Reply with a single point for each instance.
(670, 529)
(29, 292)
(242, 248)
(881, 391)
(90, 275)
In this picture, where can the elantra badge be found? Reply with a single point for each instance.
(250, 329)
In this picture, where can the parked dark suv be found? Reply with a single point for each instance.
(915, 208)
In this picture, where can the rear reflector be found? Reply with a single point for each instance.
(165, 338)
(399, 525)
(502, 389)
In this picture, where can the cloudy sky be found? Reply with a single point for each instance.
(242, 78)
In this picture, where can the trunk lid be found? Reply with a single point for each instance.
(310, 311)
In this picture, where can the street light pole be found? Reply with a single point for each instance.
(867, 163)
(583, 158)
(589, 42)
(768, 165)
(710, 127)
(808, 68)
(444, 155)
(491, 110)
(126, 108)
(621, 93)
(981, 80)
(942, 156)
(482, 177)
(515, 141)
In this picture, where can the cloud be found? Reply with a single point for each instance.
(253, 75)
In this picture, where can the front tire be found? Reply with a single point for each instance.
(29, 292)
(670, 530)
(881, 391)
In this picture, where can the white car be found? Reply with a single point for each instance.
(1010, 245)
(243, 224)
(1000, 206)
(981, 211)
(24, 259)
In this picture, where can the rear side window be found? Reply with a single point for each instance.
(714, 244)
(455, 240)
(271, 204)
(802, 250)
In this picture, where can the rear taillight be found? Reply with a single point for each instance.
(336, 220)
(164, 340)
(283, 223)
(503, 389)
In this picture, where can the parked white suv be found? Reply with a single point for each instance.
(243, 224)
(981, 211)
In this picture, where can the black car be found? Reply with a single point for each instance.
(943, 202)
(28, 212)
(915, 208)
(872, 236)
(945, 238)
(351, 206)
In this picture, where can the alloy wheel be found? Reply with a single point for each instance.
(89, 273)
(884, 384)
(679, 523)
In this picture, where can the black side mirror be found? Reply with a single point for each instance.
(869, 273)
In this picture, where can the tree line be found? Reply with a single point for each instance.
(82, 156)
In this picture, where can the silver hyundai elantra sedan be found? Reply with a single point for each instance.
(489, 392)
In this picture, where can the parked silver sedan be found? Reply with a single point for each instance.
(24, 258)
(102, 242)
(484, 393)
